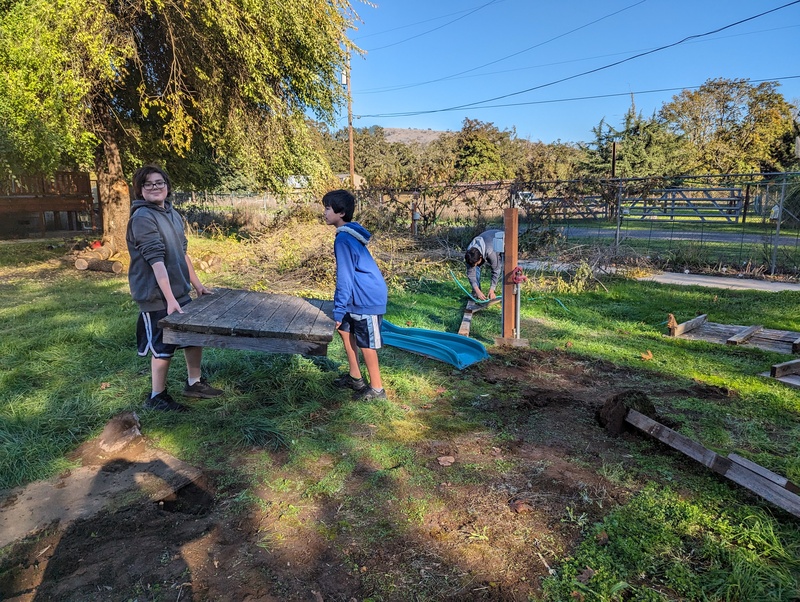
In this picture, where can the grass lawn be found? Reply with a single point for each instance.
(316, 493)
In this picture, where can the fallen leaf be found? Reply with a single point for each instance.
(577, 596)
(104, 386)
(441, 390)
(568, 344)
(586, 575)
(601, 538)
(647, 355)
(409, 322)
(520, 507)
(426, 406)
(405, 408)
(446, 460)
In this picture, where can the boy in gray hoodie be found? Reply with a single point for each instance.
(160, 278)
(479, 252)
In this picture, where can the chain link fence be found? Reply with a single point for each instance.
(737, 222)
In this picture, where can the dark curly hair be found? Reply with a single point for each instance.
(140, 177)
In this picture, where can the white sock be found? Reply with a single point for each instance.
(153, 394)
(193, 380)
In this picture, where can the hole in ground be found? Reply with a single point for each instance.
(194, 498)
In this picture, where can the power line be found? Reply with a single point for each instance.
(524, 50)
(577, 75)
(592, 97)
(419, 35)
(578, 60)
(385, 31)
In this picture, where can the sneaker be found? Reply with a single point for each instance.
(348, 382)
(164, 403)
(201, 389)
(369, 394)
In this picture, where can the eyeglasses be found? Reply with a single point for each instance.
(154, 185)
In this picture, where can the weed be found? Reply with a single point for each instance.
(477, 534)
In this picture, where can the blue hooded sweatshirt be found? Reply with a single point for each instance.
(360, 287)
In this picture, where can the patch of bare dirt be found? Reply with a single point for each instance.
(481, 515)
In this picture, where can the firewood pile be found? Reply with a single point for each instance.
(97, 256)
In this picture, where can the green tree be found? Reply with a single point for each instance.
(206, 87)
(733, 126)
(478, 151)
(640, 148)
(550, 162)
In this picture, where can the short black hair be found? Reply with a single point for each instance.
(140, 177)
(341, 201)
(473, 256)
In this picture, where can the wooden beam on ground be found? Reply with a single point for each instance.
(679, 329)
(767, 474)
(796, 346)
(469, 311)
(734, 469)
(744, 335)
(785, 369)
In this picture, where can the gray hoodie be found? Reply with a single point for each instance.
(156, 234)
(485, 244)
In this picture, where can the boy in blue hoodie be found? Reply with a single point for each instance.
(359, 301)
(160, 278)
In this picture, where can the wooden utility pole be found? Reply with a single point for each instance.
(350, 127)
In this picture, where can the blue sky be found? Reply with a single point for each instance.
(423, 57)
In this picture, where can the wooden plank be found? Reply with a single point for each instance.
(262, 344)
(23, 204)
(785, 369)
(324, 325)
(687, 326)
(765, 488)
(251, 324)
(744, 335)
(779, 341)
(796, 346)
(471, 309)
(726, 467)
(276, 324)
(300, 326)
(197, 305)
(764, 472)
(241, 310)
(674, 439)
(466, 322)
(213, 319)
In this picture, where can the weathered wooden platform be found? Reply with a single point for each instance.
(238, 319)
(699, 329)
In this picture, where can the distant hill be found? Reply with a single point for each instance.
(409, 135)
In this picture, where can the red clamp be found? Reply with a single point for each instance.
(517, 277)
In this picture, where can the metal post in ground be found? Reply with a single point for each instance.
(619, 218)
(778, 218)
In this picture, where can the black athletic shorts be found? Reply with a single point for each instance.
(150, 337)
(365, 327)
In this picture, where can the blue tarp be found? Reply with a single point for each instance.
(455, 349)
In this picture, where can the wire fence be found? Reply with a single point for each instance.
(738, 222)
(727, 222)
